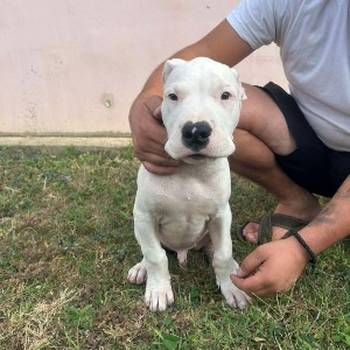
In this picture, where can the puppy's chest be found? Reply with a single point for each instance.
(190, 198)
(190, 192)
(183, 213)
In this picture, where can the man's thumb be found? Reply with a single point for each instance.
(250, 264)
(157, 113)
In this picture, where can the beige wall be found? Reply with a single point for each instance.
(74, 66)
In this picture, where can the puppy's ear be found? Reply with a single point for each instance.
(235, 73)
(242, 93)
(169, 65)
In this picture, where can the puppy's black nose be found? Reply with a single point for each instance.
(196, 135)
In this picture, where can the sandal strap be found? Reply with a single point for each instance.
(265, 230)
(280, 220)
(267, 223)
(287, 221)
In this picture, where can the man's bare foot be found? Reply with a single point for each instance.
(306, 209)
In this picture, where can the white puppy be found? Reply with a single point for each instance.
(200, 110)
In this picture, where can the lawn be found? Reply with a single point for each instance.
(66, 244)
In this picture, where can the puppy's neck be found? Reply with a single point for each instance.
(204, 167)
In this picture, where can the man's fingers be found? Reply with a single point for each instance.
(160, 170)
(151, 147)
(158, 160)
(153, 103)
(265, 292)
(157, 132)
(251, 263)
(157, 113)
(250, 277)
(153, 129)
(149, 136)
(251, 284)
(268, 292)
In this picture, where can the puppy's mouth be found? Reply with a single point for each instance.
(196, 158)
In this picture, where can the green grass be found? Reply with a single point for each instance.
(66, 244)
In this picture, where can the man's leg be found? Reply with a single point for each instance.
(261, 133)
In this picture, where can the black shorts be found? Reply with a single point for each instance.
(312, 165)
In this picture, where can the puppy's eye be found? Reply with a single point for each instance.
(225, 95)
(173, 97)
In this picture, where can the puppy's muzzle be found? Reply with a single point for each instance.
(195, 136)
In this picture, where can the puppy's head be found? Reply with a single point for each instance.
(200, 109)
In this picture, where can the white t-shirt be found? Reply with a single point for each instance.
(314, 41)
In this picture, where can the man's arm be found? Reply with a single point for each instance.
(222, 44)
(275, 266)
(333, 222)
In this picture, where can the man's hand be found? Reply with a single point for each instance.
(271, 268)
(149, 135)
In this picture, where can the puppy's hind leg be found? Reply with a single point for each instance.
(206, 245)
(138, 273)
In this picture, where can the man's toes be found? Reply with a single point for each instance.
(250, 232)
(252, 237)
(278, 232)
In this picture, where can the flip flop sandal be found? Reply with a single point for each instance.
(267, 223)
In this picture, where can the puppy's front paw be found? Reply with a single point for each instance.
(157, 298)
(234, 296)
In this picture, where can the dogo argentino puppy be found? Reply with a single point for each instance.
(200, 110)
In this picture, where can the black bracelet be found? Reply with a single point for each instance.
(295, 233)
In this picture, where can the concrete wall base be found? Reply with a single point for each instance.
(88, 142)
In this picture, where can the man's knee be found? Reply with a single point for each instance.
(251, 152)
(261, 117)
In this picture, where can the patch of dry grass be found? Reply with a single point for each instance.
(33, 328)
